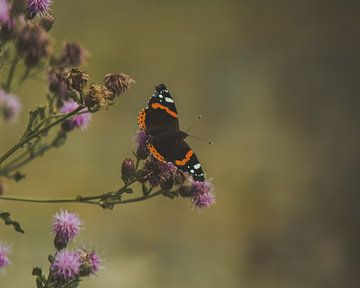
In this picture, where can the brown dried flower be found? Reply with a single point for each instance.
(76, 79)
(73, 55)
(98, 97)
(118, 83)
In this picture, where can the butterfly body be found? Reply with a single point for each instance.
(166, 141)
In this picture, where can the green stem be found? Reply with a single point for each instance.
(14, 166)
(37, 133)
(11, 74)
(85, 200)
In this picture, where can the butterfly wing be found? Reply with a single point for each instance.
(187, 161)
(160, 115)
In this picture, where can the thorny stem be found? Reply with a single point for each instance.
(37, 133)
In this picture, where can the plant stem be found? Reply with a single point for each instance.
(11, 74)
(37, 133)
(80, 199)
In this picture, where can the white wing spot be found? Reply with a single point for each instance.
(161, 96)
(169, 100)
(197, 166)
(192, 171)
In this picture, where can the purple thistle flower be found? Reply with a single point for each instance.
(202, 194)
(140, 141)
(66, 265)
(4, 256)
(34, 7)
(90, 262)
(78, 121)
(4, 12)
(66, 226)
(10, 106)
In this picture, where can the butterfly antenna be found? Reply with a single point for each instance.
(200, 139)
(193, 124)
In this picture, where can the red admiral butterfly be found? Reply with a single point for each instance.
(166, 141)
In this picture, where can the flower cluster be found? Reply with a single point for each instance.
(168, 176)
(68, 265)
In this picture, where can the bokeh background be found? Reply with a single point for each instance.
(277, 83)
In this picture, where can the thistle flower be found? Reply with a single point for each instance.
(4, 256)
(66, 265)
(98, 97)
(4, 11)
(10, 106)
(90, 262)
(140, 142)
(72, 55)
(127, 170)
(78, 121)
(157, 173)
(33, 44)
(202, 194)
(76, 79)
(118, 83)
(34, 7)
(66, 227)
(47, 22)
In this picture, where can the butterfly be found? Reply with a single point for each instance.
(166, 141)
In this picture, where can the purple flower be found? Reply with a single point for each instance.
(10, 106)
(34, 7)
(90, 262)
(66, 265)
(66, 226)
(4, 11)
(202, 194)
(140, 141)
(4, 253)
(165, 174)
(78, 121)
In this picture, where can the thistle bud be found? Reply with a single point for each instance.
(47, 22)
(127, 170)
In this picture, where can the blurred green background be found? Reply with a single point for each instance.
(277, 83)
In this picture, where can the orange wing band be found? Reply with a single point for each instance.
(166, 109)
(186, 159)
(155, 153)
(141, 119)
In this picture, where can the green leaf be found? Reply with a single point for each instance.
(9, 221)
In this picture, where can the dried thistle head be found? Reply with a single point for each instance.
(33, 44)
(76, 79)
(98, 97)
(73, 55)
(118, 83)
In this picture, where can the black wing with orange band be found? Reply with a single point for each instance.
(160, 114)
